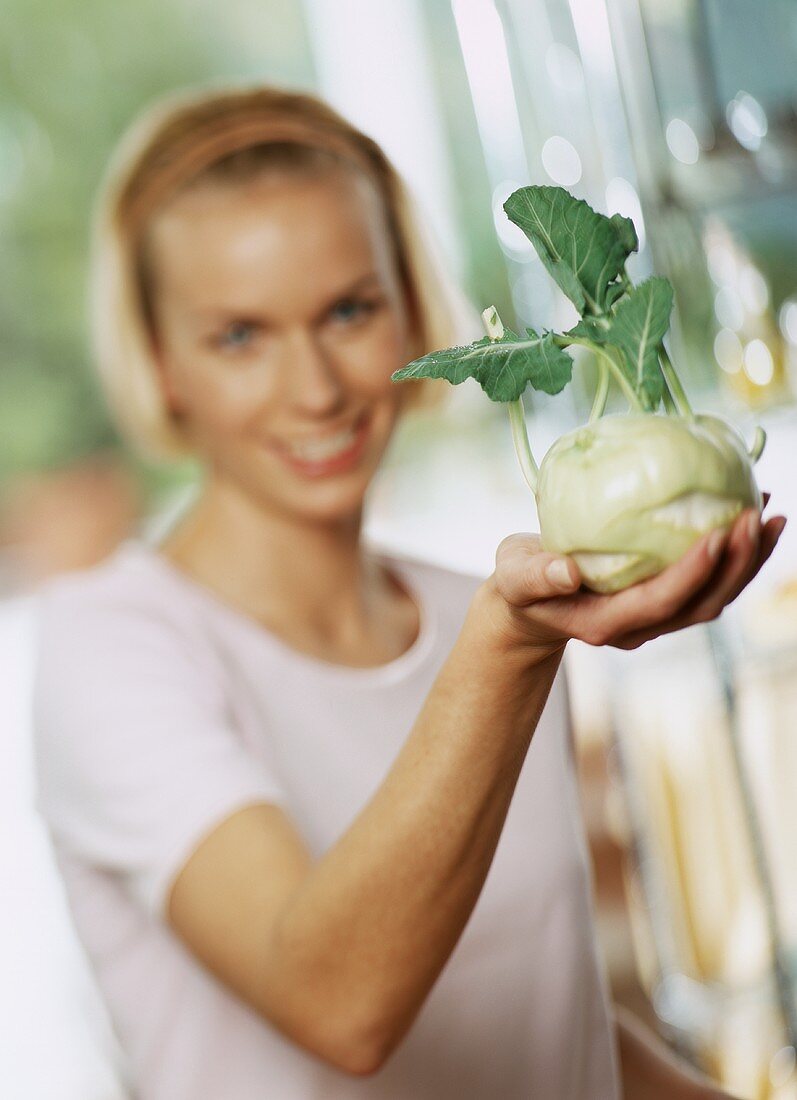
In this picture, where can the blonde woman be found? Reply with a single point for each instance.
(313, 806)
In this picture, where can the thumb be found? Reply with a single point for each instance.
(525, 573)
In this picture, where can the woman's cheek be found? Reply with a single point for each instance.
(380, 356)
(214, 412)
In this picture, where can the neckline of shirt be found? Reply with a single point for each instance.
(393, 671)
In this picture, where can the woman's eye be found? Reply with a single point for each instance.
(237, 335)
(351, 309)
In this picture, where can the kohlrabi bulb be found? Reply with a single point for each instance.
(628, 495)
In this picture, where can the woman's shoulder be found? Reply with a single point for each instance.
(127, 591)
(114, 635)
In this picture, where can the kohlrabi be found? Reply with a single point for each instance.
(624, 495)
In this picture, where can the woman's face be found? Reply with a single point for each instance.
(279, 319)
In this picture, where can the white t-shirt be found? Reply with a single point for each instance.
(160, 710)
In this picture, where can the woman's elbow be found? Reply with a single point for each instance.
(351, 1049)
(361, 1061)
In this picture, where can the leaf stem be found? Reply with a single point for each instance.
(758, 444)
(517, 414)
(520, 437)
(674, 385)
(608, 358)
(620, 377)
(669, 405)
(601, 393)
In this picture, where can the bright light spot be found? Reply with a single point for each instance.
(728, 308)
(561, 161)
(758, 364)
(721, 262)
(622, 198)
(781, 1067)
(682, 141)
(564, 67)
(747, 120)
(512, 239)
(753, 289)
(788, 320)
(728, 350)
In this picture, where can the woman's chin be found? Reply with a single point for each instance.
(323, 501)
(334, 511)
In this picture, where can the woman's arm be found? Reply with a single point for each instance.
(341, 953)
(652, 1072)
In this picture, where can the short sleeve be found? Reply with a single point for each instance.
(137, 755)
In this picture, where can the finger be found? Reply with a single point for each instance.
(770, 537)
(525, 573)
(660, 598)
(743, 563)
(599, 619)
(766, 497)
(731, 574)
(740, 572)
(690, 618)
(709, 601)
(705, 608)
(735, 565)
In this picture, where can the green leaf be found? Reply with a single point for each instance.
(625, 230)
(530, 360)
(455, 365)
(584, 251)
(637, 328)
(614, 291)
(503, 367)
(589, 328)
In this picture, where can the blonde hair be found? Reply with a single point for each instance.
(183, 139)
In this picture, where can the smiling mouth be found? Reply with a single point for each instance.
(318, 450)
(330, 454)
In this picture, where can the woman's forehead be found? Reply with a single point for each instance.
(284, 237)
(279, 199)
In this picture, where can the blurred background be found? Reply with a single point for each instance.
(681, 114)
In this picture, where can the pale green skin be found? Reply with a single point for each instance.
(599, 487)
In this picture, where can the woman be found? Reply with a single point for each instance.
(276, 766)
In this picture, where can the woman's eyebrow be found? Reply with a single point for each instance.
(227, 313)
(220, 315)
(351, 288)
(346, 292)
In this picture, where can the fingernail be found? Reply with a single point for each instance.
(752, 527)
(781, 523)
(716, 541)
(559, 575)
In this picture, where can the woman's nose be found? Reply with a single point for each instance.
(312, 379)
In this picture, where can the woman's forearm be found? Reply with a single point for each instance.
(374, 922)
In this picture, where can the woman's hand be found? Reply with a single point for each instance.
(539, 601)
